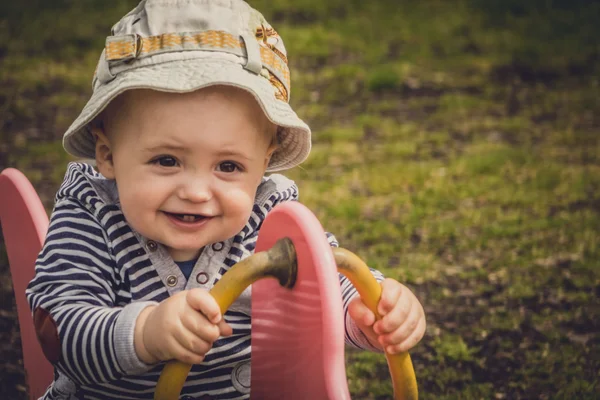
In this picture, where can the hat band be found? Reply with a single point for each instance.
(125, 48)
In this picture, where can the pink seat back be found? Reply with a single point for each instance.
(24, 225)
(298, 334)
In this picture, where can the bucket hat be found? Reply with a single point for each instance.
(184, 45)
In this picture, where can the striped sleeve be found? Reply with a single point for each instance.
(353, 335)
(75, 283)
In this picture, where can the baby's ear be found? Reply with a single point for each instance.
(270, 152)
(273, 146)
(104, 156)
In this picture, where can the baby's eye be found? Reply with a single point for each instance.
(228, 166)
(165, 161)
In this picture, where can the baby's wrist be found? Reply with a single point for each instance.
(138, 341)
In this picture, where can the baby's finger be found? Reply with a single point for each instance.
(224, 328)
(394, 318)
(408, 343)
(201, 300)
(185, 355)
(390, 293)
(190, 342)
(200, 326)
(397, 336)
(197, 322)
(360, 313)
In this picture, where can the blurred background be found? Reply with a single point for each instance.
(456, 148)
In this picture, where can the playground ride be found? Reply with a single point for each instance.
(297, 318)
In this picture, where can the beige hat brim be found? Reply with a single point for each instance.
(181, 76)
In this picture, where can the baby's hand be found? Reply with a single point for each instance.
(403, 319)
(182, 327)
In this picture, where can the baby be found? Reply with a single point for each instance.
(189, 111)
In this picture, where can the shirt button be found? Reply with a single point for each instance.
(152, 246)
(171, 280)
(240, 377)
(217, 246)
(202, 278)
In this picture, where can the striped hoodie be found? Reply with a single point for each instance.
(95, 274)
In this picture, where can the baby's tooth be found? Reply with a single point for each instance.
(188, 218)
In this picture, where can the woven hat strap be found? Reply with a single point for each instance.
(124, 49)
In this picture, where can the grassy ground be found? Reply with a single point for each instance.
(456, 148)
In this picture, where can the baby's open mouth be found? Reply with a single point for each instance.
(186, 217)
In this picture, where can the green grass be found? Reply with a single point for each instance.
(456, 149)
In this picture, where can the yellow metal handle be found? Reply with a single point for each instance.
(278, 262)
(400, 365)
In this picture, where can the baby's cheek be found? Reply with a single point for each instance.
(238, 205)
(137, 216)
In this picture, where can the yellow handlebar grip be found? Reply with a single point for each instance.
(400, 365)
(279, 262)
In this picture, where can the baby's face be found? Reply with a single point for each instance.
(187, 166)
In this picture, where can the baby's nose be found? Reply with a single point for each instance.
(195, 190)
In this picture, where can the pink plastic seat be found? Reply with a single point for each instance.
(298, 334)
(24, 225)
